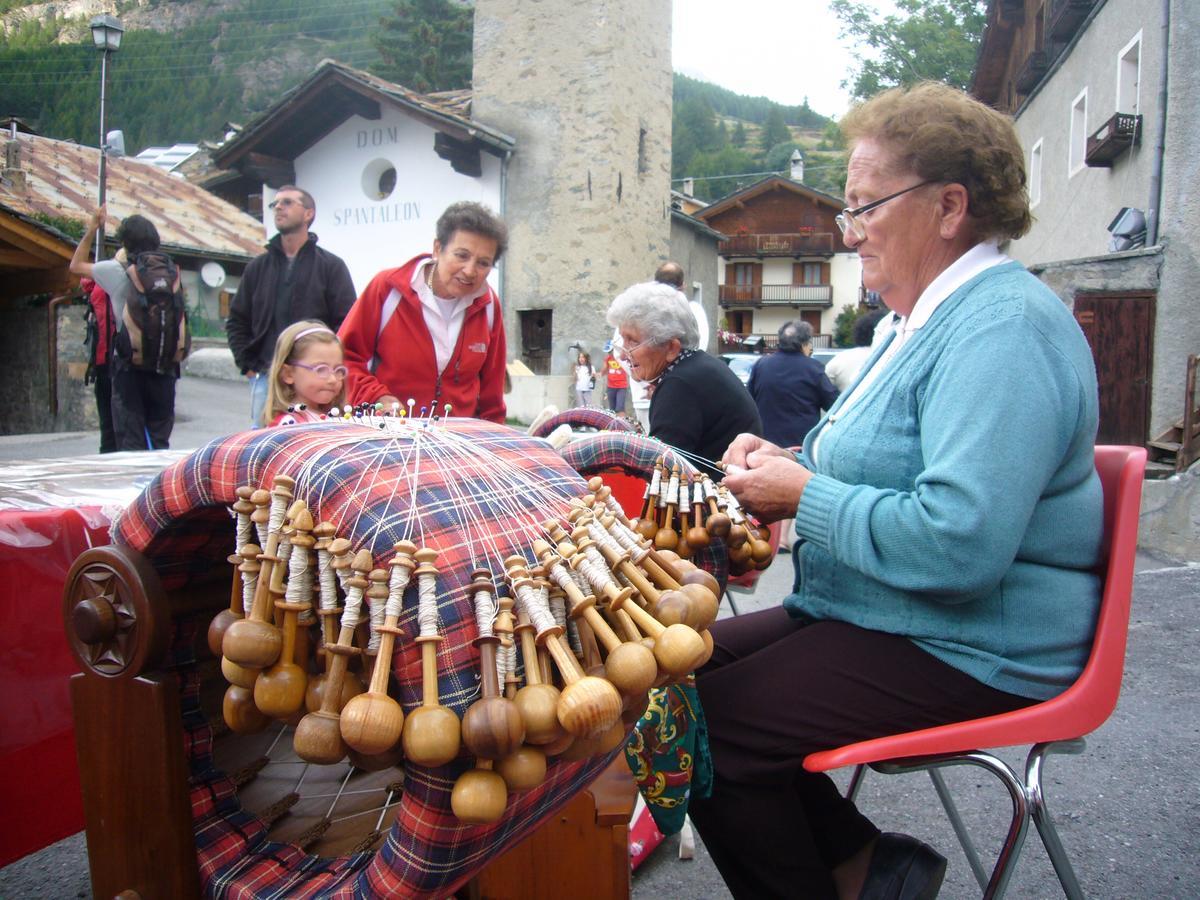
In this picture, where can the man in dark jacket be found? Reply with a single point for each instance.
(790, 388)
(295, 279)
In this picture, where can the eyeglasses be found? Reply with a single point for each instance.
(848, 221)
(623, 352)
(323, 371)
(285, 203)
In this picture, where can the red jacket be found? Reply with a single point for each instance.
(103, 311)
(472, 382)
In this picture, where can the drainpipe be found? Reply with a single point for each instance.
(1160, 132)
(52, 349)
(503, 214)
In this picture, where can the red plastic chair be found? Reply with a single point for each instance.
(1055, 726)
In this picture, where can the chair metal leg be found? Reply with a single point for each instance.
(732, 603)
(856, 781)
(1010, 851)
(960, 828)
(1041, 814)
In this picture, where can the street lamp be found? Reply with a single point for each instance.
(106, 32)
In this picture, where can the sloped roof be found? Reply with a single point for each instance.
(770, 183)
(333, 93)
(62, 179)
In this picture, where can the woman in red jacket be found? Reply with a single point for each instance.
(432, 330)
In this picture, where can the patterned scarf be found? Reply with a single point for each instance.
(683, 354)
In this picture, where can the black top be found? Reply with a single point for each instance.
(790, 389)
(700, 406)
(320, 289)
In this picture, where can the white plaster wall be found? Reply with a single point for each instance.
(845, 271)
(1075, 207)
(371, 234)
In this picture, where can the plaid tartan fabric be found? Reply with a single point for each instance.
(428, 485)
(586, 417)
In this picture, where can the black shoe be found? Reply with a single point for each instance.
(903, 868)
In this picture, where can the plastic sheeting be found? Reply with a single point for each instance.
(97, 486)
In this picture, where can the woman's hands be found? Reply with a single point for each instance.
(766, 479)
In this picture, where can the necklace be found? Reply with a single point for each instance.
(429, 276)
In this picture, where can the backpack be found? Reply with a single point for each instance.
(154, 332)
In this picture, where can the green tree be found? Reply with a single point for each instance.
(775, 130)
(843, 326)
(426, 45)
(739, 135)
(924, 39)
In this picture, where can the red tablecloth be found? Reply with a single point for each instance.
(39, 777)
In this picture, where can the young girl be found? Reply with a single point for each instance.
(585, 379)
(307, 369)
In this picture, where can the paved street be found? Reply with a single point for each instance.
(1126, 809)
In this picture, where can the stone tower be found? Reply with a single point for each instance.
(584, 86)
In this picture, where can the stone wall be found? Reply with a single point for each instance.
(584, 87)
(24, 347)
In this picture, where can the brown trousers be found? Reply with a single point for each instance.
(777, 689)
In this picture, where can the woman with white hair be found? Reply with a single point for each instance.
(697, 404)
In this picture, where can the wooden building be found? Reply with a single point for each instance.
(782, 258)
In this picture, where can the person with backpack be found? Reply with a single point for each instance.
(152, 338)
(432, 331)
(101, 330)
(294, 280)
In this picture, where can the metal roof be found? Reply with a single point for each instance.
(61, 180)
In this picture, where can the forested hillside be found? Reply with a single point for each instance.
(187, 67)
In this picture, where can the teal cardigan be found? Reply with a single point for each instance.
(957, 503)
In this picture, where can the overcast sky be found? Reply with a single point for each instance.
(785, 50)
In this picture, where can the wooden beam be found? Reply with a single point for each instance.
(34, 240)
(35, 281)
(274, 171)
(20, 259)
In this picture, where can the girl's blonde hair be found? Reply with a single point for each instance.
(288, 349)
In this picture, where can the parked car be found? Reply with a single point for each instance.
(742, 363)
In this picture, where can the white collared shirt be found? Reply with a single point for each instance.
(976, 260)
(443, 317)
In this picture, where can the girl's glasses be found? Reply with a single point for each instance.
(323, 371)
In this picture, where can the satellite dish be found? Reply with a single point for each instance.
(213, 274)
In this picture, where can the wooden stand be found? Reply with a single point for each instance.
(582, 851)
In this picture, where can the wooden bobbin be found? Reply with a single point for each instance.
(220, 623)
(432, 732)
(587, 706)
(371, 723)
(279, 690)
(492, 727)
(537, 700)
(255, 642)
(352, 685)
(243, 676)
(630, 666)
(318, 737)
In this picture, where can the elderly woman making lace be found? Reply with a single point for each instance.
(947, 509)
(698, 405)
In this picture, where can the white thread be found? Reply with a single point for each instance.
(485, 612)
(351, 612)
(397, 584)
(326, 579)
(655, 481)
(427, 605)
(299, 585)
(673, 488)
(249, 585)
(378, 607)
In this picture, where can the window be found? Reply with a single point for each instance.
(743, 274)
(1129, 75)
(812, 273)
(1035, 174)
(1078, 145)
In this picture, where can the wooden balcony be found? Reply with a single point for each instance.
(1066, 16)
(759, 245)
(1036, 65)
(808, 295)
(1112, 139)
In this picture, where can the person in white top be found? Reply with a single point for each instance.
(844, 368)
(585, 379)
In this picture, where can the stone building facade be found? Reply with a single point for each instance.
(584, 89)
